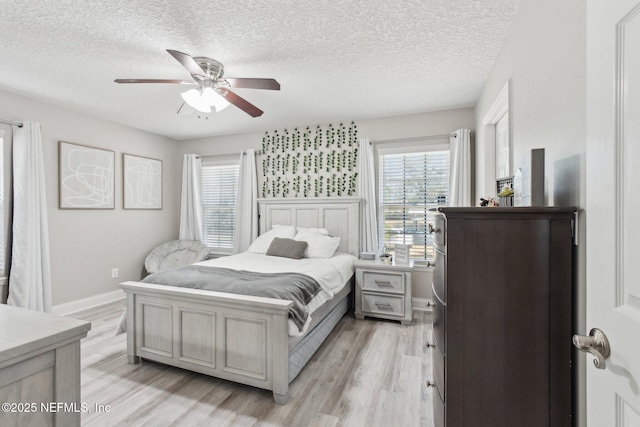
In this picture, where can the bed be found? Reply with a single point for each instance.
(242, 338)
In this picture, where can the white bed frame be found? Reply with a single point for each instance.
(235, 337)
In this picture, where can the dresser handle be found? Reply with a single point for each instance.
(385, 306)
(384, 284)
(432, 229)
(430, 384)
(430, 303)
(429, 344)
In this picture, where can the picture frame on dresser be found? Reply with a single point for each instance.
(402, 254)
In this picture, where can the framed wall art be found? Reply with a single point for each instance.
(142, 182)
(86, 177)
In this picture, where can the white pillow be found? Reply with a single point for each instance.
(322, 231)
(318, 245)
(262, 243)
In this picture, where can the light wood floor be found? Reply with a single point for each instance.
(367, 373)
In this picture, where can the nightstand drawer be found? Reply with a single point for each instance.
(383, 282)
(383, 304)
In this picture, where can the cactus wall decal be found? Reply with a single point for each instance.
(310, 162)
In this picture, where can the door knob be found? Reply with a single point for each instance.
(596, 343)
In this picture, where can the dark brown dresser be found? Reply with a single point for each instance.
(502, 322)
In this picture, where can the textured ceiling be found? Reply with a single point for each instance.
(336, 60)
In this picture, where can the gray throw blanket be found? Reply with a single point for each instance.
(295, 287)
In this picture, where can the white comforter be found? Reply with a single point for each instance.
(331, 273)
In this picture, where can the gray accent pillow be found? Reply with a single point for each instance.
(287, 248)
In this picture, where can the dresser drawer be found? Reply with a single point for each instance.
(439, 230)
(439, 318)
(440, 275)
(383, 304)
(379, 281)
(438, 360)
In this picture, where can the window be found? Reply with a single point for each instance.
(219, 195)
(410, 183)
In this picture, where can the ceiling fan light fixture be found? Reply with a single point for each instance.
(212, 89)
(194, 98)
(214, 99)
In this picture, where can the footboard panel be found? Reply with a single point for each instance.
(235, 337)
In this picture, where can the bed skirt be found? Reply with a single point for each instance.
(302, 352)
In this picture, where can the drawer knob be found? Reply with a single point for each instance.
(384, 283)
(430, 384)
(384, 306)
(429, 344)
(430, 303)
(432, 229)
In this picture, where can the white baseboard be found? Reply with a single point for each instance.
(89, 302)
(420, 304)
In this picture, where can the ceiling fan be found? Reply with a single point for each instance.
(213, 90)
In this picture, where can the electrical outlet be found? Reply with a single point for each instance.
(114, 273)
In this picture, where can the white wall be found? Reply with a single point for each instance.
(378, 129)
(544, 57)
(384, 128)
(86, 244)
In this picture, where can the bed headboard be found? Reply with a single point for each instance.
(339, 215)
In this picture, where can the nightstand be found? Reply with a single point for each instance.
(383, 291)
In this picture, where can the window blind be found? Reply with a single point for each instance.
(219, 195)
(409, 185)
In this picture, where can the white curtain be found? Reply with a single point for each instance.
(247, 202)
(191, 201)
(367, 186)
(460, 179)
(30, 277)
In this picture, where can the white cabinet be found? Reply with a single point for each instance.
(383, 291)
(39, 367)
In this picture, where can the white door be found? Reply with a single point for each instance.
(613, 208)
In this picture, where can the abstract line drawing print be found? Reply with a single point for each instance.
(86, 177)
(142, 182)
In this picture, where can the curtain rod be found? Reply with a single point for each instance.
(417, 138)
(10, 122)
(258, 153)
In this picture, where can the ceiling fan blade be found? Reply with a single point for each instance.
(182, 82)
(268, 84)
(242, 103)
(189, 63)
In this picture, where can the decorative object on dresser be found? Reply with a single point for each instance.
(502, 320)
(504, 190)
(383, 291)
(39, 368)
(402, 254)
(528, 181)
